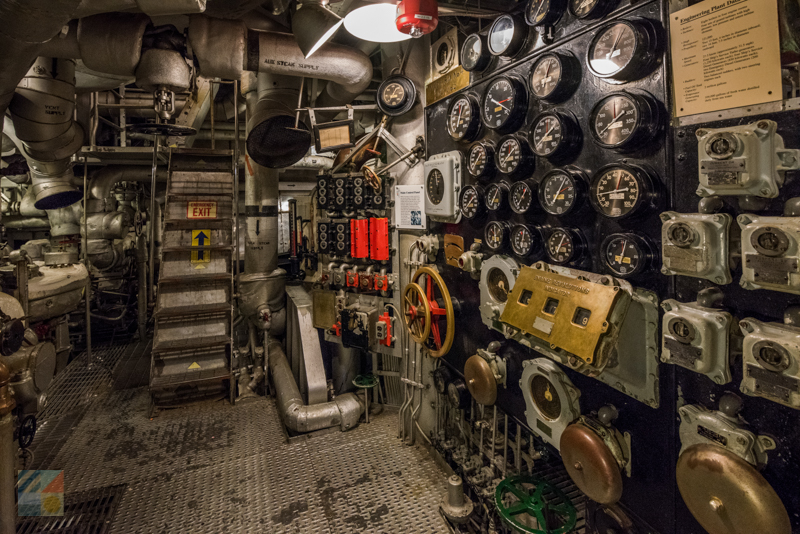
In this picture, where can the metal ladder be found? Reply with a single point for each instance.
(194, 307)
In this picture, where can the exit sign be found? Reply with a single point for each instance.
(201, 210)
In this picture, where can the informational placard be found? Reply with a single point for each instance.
(409, 207)
(725, 54)
(201, 210)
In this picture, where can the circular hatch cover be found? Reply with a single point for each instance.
(590, 464)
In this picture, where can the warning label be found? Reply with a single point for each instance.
(201, 210)
(201, 238)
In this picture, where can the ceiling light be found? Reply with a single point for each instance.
(314, 25)
(375, 23)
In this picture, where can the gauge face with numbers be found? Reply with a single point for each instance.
(504, 105)
(393, 95)
(559, 193)
(524, 241)
(617, 192)
(495, 235)
(509, 155)
(561, 246)
(463, 122)
(496, 197)
(625, 255)
(591, 9)
(435, 186)
(613, 49)
(521, 197)
(547, 77)
(547, 134)
(471, 201)
(543, 12)
(615, 120)
(480, 162)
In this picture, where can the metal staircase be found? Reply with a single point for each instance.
(194, 307)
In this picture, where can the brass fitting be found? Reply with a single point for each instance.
(6, 400)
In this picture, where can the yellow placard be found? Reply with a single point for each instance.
(201, 238)
(725, 54)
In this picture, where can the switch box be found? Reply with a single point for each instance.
(771, 360)
(443, 178)
(696, 244)
(770, 253)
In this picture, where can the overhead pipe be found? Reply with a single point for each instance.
(344, 412)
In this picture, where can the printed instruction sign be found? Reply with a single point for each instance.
(201, 238)
(201, 210)
(725, 54)
(409, 207)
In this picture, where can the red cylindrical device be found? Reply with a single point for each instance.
(417, 17)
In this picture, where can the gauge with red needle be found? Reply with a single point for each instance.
(505, 104)
(627, 255)
(556, 135)
(565, 245)
(562, 191)
(495, 235)
(521, 197)
(463, 120)
(514, 156)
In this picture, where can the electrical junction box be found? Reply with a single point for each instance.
(443, 179)
(696, 244)
(551, 400)
(770, 253)
(358, 327)
(771, 360)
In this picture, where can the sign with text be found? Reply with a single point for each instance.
(725, 54)
(201, 210)
(201, 238)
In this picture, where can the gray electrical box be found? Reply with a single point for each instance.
(696, 244)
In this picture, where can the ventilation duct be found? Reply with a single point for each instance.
(42, 114)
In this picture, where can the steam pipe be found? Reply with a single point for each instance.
(345, 411)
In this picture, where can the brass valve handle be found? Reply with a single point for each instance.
(441, 306)
(416, 312)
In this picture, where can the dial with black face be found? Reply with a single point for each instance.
(561, 192)
(521, 197)
(495, 235)
(623, 51)
(514, 156)
(480, 161)
(623, 121)
(396, 95)
(619, 191)
(544, 12)
(591, 9)
(393, 95)
(554, 77)
(497, 197)
(565, 245)
(526, 241)
(471, 201)
(435, 186)
(463, 121)
(626, 255)
(507, 35)
(498, 284)
(475, 54)
(555, 135)
(504, 105)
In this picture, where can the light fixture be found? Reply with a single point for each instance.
(314, 25)
(375, 23)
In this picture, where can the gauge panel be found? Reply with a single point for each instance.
(497, 197)
(507, 35)
(463, 119)
(514, 156)
(565, 245)
(495, 235)
(521, 197)
(555, 135)
(505, 104)
(471, 201)
(619, 191)
(526, 241)
(562, 192)
(480, 161)
(626, 254)
(475, 55)
(554, 77)
(623, 51)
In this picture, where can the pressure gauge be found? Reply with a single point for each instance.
(463, 118)
(495, 235)
(565, 245)
(507, 35)
(619, 191)
(521, 197)
(624, 121)
(556, 135)
(514, 156)
(443, 181)
(434, 184)
(497, 197)
(544, 12)
(591, 9)
(554, 77)
(562, 192)
(623, 51)
(505, 104)
(396, 95)
(526, 241)
(471, 201)
(626, 255)
(481, 161)
(475, 54)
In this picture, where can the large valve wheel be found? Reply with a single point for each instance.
(533, 506)
(441, 306)
(416, 312)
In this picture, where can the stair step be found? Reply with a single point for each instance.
(189, 377)
(193, 196)
(195, 278)
(188, 344)
(193, 247)
(189, 224)
(197, 309)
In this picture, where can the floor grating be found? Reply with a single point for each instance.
(86, 512)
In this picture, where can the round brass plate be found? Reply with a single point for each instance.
(480, 380)
(727, 495)
(590, 464)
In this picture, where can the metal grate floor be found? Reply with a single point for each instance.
(87, 512)
(215, 468)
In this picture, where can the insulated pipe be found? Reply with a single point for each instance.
(345, 411)
(103, 180)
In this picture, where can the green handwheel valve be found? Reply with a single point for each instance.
(535, 507)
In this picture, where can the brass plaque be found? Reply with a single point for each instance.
(453, 248)
(323, 308)
(455, 80)
(568, 313)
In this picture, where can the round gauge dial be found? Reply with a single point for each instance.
(619, 191)
(623, 120)
(554, 77)
(545, 397)
(555, 135)
(471, 201)
(564, 245)
(504, 105)
(495, 235)
(544, 12)
(463, 120)
(499, 287)
(591, 9)
(507, 35)
(475, 54)
(561, 192)
(393, 95)
(480, 162)
(626, 255)
(396, 95)
(434, 185)
(623, 51)
(521, 197)
(526, 241)
(514, 156)
(497, 197)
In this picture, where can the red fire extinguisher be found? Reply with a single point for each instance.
(417, 17)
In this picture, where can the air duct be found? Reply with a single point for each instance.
(42, 113)
(343, 412)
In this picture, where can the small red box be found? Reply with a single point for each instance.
(379, 239)
(359, 238)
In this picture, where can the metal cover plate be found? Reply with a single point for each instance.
(574, 299)
(480, 380)
(590, 464)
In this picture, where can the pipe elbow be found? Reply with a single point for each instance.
(205, 36)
